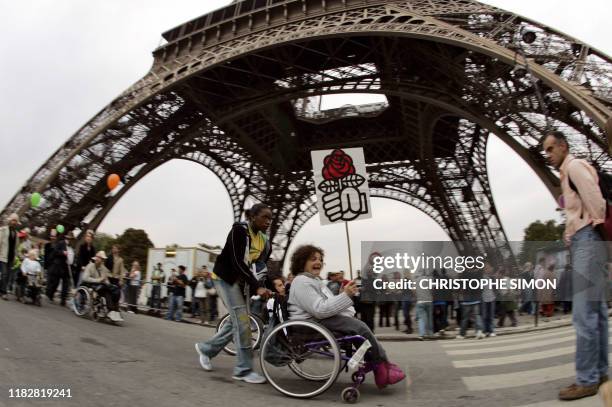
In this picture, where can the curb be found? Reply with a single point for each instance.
(560, 323)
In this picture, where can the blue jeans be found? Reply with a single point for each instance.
(590, 311)
(467, 310)
(488, 316)
(237, 329)
(176, 305)
(424, 314)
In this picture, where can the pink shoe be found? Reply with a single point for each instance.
(394, 374)
(381, 375)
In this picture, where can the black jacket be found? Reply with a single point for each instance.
(231, 265)
(86, 254)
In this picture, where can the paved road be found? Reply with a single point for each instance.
(151, 362)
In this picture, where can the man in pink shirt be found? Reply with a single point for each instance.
(585, 210)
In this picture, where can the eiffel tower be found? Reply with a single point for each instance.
(237, 90)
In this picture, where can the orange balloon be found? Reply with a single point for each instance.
(112, 181)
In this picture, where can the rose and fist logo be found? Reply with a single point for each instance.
(342, 199)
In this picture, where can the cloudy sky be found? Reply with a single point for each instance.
(63, 60)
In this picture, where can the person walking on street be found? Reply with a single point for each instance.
(585, 210)
(60, 271)
(9, 243)
(247, 245)
(488, 303)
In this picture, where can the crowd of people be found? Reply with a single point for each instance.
(240, 272)
(29, 269)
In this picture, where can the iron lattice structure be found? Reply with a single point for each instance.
(233, 90)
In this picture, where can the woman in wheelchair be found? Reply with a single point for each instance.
(310, 299)
(96, 276)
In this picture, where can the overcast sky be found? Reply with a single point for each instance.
(63, 60)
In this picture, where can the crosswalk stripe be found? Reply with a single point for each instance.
(521, 357)
(501, 339)
(492, 347)
(517, 379)
(584, 402)
(515, 338)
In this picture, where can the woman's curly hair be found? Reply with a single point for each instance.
(301, 255)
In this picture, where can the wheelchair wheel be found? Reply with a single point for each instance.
(300, 358)
(99, 308)
(82, 302)
(257, 328)
(350, 395)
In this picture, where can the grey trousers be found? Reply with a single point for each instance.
(353, 326)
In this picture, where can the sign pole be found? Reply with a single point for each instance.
(348, 242)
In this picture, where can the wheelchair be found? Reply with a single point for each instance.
(87, 303)
(302, 359)
(257, 329)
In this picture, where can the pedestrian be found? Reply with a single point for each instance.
(334, 282)
(246, 245)
(527, 294)
(508, 304)
(175, 307)
(585, 210)
(115, 264)
(133, 286)
(198, 285)
(488, 302)
(86, 253)
(470, 306)
(565, 286)
(424, 306)
(156, 280)
(170, 286)
(48, 253)
(213, 297)
(9, 243)
(60, 271)
(546, 296)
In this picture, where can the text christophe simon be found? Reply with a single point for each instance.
(404, 261)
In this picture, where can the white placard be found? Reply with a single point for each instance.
(341, 184)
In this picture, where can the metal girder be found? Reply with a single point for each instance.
(223, 91)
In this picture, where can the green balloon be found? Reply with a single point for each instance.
(60, 229)
(35, 199)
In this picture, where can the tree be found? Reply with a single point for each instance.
(538, 233)
(104, 241)
(135, 244)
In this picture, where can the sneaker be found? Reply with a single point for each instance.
(575, 392)
(395, 374)
(115, 316)
(130, 312)
(479, 335)
(421, 338)
(204, 360)
(492, 334)
(381, 375)
(5, 297)
(459, 337)
(251, 377)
